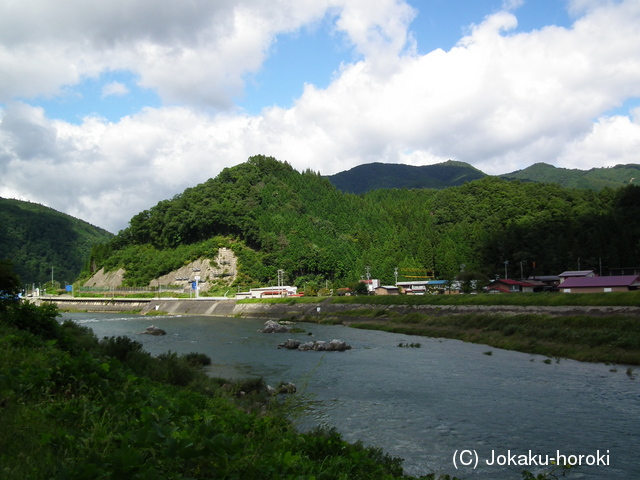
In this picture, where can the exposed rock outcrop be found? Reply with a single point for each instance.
(318, 346)
(106, 279)
(274, 327)
(222, 268)
(153, 330)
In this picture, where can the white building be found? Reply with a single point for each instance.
(269, 292)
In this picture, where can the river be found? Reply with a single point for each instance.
(426, 403)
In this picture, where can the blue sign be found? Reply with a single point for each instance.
(69, 288)
(194, 285)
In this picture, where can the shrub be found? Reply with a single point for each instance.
(197, 359)
(40, 321)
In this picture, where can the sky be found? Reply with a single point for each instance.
(109, 106)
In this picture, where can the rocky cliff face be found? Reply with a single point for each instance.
(104, 279)
(223, 268)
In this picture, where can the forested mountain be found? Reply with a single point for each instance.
(274, 217)
(37, 238)
(372, 176)
(593, 179)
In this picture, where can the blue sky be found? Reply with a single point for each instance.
(108, 107)
(310, 55)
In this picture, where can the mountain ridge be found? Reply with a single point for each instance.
(277, 221)
(373, 176)
(36, 238)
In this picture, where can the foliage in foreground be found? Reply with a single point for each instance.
(74, 407)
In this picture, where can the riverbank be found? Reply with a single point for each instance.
(594, 333)
(78, 407)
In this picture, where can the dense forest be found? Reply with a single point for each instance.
(372, 176)
(37, 238)
(275, 217)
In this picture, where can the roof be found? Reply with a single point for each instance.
(576, 273)
(508, 281)
(422, 283)
(612, 281)
(545, 278)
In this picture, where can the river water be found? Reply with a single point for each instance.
(425, 404)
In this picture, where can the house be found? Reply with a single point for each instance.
(269, 292)
(549, 282)
(576, 273)
(387, 290)
(618, 283)
(422, 287)
(506, 285)
(372, 284)
(413, 288)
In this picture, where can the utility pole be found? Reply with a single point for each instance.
(280, 280)
(395, 272)
(506, 276)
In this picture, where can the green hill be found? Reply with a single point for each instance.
(37, 238)
(372, 176)
(593, 179)
(276, 218)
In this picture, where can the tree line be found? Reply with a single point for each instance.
(276, 218)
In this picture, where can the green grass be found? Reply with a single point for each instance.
(286, 300)
(614, 339)
(625, 299)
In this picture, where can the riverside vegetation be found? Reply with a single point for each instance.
(594, 337)
(75, 407)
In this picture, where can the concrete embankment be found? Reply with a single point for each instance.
(196, 306)
(223, 307)
(94, 304)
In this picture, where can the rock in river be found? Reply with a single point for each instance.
(274, 327)
(153, 330)
(319, 346)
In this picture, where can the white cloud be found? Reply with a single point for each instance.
(195, 52)
(117, 89)
(612, 141)
(498, 100)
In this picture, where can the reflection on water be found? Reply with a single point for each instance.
(423, 404)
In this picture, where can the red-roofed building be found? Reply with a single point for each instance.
(619, 283)
(506, 285)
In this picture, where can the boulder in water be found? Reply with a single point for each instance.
(274, 327)
(153, 330)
